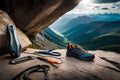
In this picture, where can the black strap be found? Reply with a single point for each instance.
(77, 51)
(38, 68)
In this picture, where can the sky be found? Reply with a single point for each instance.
(94, 7)
(97, 7)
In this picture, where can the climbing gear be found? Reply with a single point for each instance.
(79, 53)
(48, 60)
(21, 60)
(49, 52)
(38, 68)
(14, 44)
(28, 58)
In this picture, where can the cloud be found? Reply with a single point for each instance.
(105, 8)
(105, 1)
(96, 8)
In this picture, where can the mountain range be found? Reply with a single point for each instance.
(55, 37)
(69, 21)
(83, 32)
(101, 31)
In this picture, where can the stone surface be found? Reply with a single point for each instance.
(106, 66)
(34, 15)
(43, 42)
(4, 38)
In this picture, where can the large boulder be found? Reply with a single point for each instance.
(4, 37)
(34, 15)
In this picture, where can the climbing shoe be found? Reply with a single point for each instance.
(14, 44)
(79, 52)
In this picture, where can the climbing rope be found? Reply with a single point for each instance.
(38, 68)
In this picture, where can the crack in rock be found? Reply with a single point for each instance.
(96, 78)
(116, 64)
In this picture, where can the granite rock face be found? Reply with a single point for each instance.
(105, 66)
(4, 37)
(34, 15)
(30, 17)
